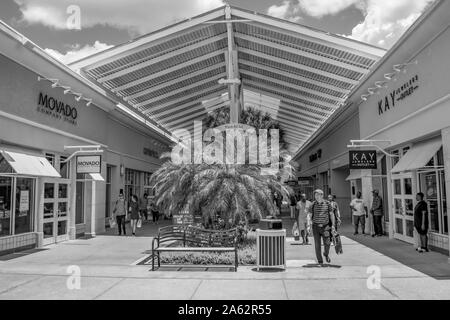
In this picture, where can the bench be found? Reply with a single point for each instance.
(183, 238)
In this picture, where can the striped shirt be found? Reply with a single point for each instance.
(321, 212)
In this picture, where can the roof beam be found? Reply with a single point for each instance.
(283, 113)
(311, 34)
(291, 98)
(161, 58)
(294, 87)
(300, 123)
(192, 117)
(294, 76)
(294, 111)
(291, 50)
(171, 106)
(141, 43)
(293, 124)
(168, 70)
(296, 133)
(180, 90)
(299, 66)
(174, 81)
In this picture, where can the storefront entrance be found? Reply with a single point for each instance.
(56, 210)
(403, 201)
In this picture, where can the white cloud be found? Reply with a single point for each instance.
(320, 8)
(384, 23)
(287, 10)
(387, 20)
(137, 16)
(78, 52)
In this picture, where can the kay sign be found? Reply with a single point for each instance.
(89, 164)
(363, 160)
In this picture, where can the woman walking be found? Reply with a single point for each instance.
(120, 212)
(134, 213)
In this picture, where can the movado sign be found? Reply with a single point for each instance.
(57, 109)
(89, 164)
(363, 160)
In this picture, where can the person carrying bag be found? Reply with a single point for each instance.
(120, 212)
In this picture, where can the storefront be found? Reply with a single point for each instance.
(65, 150)
(401, 111)
(404, 109)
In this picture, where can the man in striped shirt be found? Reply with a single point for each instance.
(323, 225)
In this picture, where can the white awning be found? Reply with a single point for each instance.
(355, 175)
(418, 156)
(96, 177)
(29, 165)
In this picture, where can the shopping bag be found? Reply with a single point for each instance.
(112, 222)
(337, 244)
(296, 232)
(139, 223)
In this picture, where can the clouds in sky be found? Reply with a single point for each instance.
(136, 16)
(385, 20)
(78, 52)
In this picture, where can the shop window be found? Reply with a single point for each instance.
(5, 205)
(49, 190)
(432, 184)
(64, 168)
(23, 218)
(408, 186)
(108, 200)
(395, 159)
(51, 158)
(79, 202)
(397, 187)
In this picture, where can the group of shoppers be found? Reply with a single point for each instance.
(137, 210)
(360, 213)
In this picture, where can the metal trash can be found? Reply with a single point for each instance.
(270, 249)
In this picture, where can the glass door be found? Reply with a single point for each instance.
(56, 211)
(403, 202)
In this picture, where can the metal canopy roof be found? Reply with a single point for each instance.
(298, 74)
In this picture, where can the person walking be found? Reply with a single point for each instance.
(120, 212)
(302, 213)
(337, 213)
(293, 205)
(134, 213)
(421, 222)
(359, 210)
(143, 207)
(323, 225)
(154, 211)
(377, 214)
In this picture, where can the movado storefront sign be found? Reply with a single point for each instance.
(363, 160)
(89, 164)
(56, 109)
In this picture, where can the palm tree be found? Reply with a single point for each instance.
(232, 192)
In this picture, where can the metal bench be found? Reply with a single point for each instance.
(182, 238)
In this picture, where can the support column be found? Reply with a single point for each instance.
(367, 189)
(73, 196)
(232, 71)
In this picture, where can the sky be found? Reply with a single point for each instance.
(72, 29)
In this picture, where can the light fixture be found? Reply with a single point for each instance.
(364, 97)
(390, 76)
(55, 83)
(381, 84)
(89, 102)
(78, 98)
(372, 90)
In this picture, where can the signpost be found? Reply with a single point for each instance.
(363, 160)
(89, 164)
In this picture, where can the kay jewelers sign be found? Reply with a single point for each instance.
(89, 164)
(363, 160)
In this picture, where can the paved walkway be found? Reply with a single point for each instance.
(108, 271)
